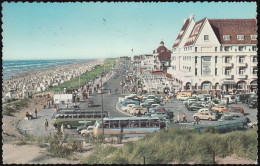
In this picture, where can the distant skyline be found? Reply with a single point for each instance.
(102, 30)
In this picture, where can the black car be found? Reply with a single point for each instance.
(244, 97)
(195, 107)
(253, 104)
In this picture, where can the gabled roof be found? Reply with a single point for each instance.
(234, 27)
(164, 53)
(183, 29)
(195, 31)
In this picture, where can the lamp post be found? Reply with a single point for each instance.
(102, 106)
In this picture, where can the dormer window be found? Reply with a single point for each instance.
(240, 37)
(206, 37)
(226, 37)
(253, 37)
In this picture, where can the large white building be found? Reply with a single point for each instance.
(216, 54)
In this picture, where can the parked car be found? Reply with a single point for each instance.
(205, 115)
(252, 124)
(189, 100)
(252, 97)
(85, 126)
(236, 109)
(160, 114)
(195, 107)
(253, 104)
(232, 99)
(136, 110)
(87, 131)
(183, 97)
(128, 107)
(233, 116)
(220, 108)
(154, 105)
(244, 97)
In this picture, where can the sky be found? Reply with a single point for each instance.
(101, 30)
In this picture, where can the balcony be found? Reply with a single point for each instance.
(228, 65)
(228, 77)
(242, 77)
(242, 65)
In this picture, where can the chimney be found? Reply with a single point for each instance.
(191, 17)
(185, 20)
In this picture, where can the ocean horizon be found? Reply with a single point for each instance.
(12, 68)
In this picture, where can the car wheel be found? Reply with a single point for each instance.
(210, 119)
(195, 117)
(84, 135)
(68, 126)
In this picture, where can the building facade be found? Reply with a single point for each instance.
(162, 58)
(216, 54)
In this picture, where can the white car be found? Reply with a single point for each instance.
(128, 107)
(87, 131)
(184, 97)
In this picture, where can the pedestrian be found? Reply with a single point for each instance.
(227, 101)
(35, 112)
(55, 107)
(46, 124)
(167, 99)
(55, 125)
(178, 118)
(184, 117)
(31, 115)
(67, 105)
(62, 130)
(197, 120)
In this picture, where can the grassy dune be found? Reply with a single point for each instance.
(88, 76)
(181, 146)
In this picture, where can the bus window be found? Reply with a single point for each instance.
(134, 123)
(66, 116)
(75, 116)
(61, 116)
(81, 116)
(155, 123)
(106, 124)
(124, 123)
(114, 124)
(98, 116)
(144, 123)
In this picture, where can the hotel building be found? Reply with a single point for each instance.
(216, 54)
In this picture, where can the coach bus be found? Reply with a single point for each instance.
(72, 119)
(128, 126)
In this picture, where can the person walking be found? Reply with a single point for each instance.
(178, 118)
(184, 118)
(62, 130)
(227, 101)
(55, 107)
(35, 112)
(46, 124)
(55, 125)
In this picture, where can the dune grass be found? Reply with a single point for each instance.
(181, 146)
(88, 76)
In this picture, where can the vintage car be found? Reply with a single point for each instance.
(205, 115)
(195, 106)
(220, 108)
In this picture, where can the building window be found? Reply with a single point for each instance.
(206, 37)
(241, 71)
(241, 59)
(227, 48)
(227, 59)
(241, 48)
(253, 37)
(254, 48)
(196, 49)
(221, 48)
(226, 37)
(255, 70)
(216, 59)
(196, 72)
(240, 37)
(227, 71)
(216, 71)
(196, 59)
(255, 59)
(216, 49)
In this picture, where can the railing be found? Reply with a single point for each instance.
(228, 64)
(230, 77)
(242, 76)
(242, 64)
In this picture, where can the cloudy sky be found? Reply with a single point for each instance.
(100, 30)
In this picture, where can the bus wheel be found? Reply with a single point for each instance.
(68, 126)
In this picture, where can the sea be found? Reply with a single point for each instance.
(15, 67)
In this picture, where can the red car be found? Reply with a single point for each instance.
(238, 109)
(161, 108)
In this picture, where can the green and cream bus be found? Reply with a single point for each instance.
(75, 118)
(128, 126)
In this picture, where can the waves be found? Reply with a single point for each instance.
(16, 67)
